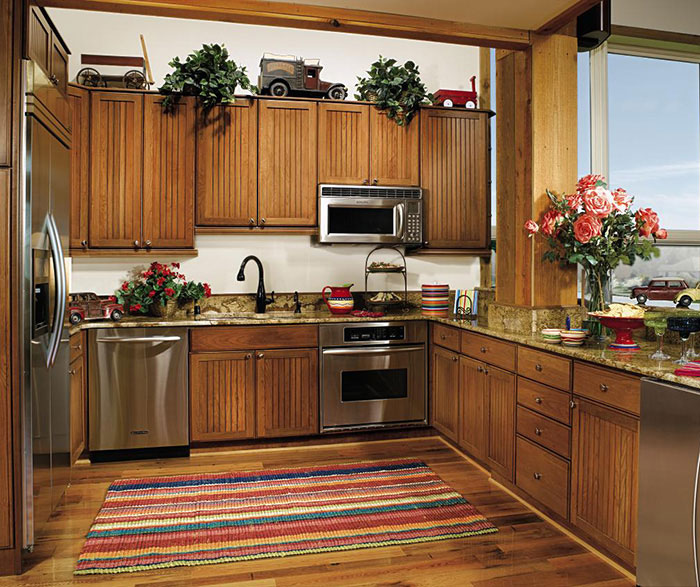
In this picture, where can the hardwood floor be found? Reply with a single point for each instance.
(527, 551)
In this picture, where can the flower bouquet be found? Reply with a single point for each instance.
(161, 289)
(598, 229)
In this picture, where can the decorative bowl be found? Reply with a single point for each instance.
(623, 328)
(551, 335)
(573, 337)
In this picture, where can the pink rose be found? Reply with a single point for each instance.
(531, 227)
(586, 227)
(661, 234)
(598, 202)
(574, 201)
(647, 221)
(588, 182)
(621, 200)
(551, 222)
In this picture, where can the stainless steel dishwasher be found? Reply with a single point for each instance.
(137, 389)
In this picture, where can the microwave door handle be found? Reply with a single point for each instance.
(400, 221)
(60, 289)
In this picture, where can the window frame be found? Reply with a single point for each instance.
(599, 108)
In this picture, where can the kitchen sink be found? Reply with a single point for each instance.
(249, 316)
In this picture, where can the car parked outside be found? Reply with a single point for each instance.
(659, 288)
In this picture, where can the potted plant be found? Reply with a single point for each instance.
(396, 89)
(161, 290)
(598, 229)
(207, 73)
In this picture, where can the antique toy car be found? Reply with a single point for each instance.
(90, 306)
(287, 75)
(451, 98)
(659, 288)
(688, 296)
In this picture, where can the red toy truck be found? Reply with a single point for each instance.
(451, 98)
(90, 306)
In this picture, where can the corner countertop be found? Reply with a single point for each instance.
(637, 363)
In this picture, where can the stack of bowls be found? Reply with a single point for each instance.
(573, 337)
(551, 335)
(435, 300)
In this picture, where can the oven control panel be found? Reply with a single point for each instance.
(374, 333)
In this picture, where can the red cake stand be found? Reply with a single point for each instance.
(623, 328)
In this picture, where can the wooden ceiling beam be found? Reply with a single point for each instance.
(565, 17)
(294, 15)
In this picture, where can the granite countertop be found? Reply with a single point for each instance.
(637, 363)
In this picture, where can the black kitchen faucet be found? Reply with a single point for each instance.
(261, 302)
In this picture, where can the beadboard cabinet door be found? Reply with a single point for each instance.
(394, 154)
(227, 165)
(222, 396)
(287, 163)
(455, 178)
(445, 388)
(472, 407)
(116, 169)
(501, 398)
(168, 174)
(343, 143)
(79, 99)
(287, 392)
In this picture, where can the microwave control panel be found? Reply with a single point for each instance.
(414, 230)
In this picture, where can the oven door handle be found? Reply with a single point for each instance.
(383, 350)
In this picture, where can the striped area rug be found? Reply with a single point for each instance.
(213, 518)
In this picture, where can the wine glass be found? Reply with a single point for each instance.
(691, 353)
(657, 321)
(685, 326)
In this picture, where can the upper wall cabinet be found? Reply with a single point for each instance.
(455, 177)
(227, 165)
(142, 172)
(287, 171)
(358, 144)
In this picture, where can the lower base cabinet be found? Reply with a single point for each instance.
(501, 421)
(473, 400)
(78, 397)
(237, 395)
(445, 392)
(604, 477)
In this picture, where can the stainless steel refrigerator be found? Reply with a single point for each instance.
(46, 385)
(669, 471)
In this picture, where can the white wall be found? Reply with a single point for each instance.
(291, 262)
(679, 16)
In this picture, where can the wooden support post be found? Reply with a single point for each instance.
(536, 131)
(485, 104)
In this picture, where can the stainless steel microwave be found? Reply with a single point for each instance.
(370, 214)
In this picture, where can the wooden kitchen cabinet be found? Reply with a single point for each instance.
(455, 177)
(39, 38)
(287, 392)
(604, 477)
(358, 144)
(473, 397)
(7, 44)
(78, 397)
(168, 174)
(500, 409)
(116, 168)
(445, 392)
(79, 99)
(227, 165)
(222, 396)
(287, 163)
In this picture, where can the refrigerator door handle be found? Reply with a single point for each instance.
(61, 286)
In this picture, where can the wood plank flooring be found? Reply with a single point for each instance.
(527, 551)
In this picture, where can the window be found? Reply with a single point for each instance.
(311, 73)
(584, 114)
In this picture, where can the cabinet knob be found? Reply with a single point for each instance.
(454, 358)
(442, 337)
(538, 432)
(572, 404)
(486, 371)
(365, 181)
(248, 357)
(375, 181)
(137, 244)
(538, 367)
(603, 387)
(77, 347)
(479, 369)
(54, 80)
(262, 221)
(537, 476)
(483, 349)
(251, 221)
(71, 372)
(83, 243)
(148, 243)
(261, 355)
(538, 400)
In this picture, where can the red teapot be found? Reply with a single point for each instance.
(340, 301)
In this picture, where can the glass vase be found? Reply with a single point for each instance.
(597, 296)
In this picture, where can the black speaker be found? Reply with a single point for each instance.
(593, 26)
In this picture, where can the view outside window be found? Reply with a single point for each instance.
(584, 114)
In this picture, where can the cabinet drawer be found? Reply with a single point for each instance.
(232, 338)
(607, 387)
(543, 475)
(545, 400)
(545, 432)
(76, 346)
(496, 352)
(446, 336)
(546, 368)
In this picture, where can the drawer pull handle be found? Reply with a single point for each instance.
(603, 387)
(483, 349)
(261, 355)
(537, 476)
(538, 432)
(538, 400)
(486, 371)
(538, 367)
(479, 369)
(442, 337)
(454, 358)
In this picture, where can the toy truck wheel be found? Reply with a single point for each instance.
(75, 318)
(279, 89)
(641, 299)
(470, 104)
(116, 315)
(685, 302)
(337, 93)
(447, 103)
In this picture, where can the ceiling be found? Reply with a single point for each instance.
(518, 14)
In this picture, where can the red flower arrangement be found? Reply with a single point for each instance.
(159, 284)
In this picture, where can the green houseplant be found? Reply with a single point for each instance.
(207, 73)
(396, 89)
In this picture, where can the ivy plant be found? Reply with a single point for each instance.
(396, 89)
(207, 73)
